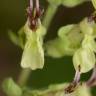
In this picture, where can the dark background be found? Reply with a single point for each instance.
(12, 16)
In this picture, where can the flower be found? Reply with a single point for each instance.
(33, 54)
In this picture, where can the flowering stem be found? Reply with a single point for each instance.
(23, 77)
(50, 12)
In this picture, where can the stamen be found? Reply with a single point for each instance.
(34, 13)
(31, 4)
(37, 6)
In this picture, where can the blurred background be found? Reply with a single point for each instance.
(13, 16)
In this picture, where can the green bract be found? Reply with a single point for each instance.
(94, 3)
(33, 54)
(85, 58)
(10, 88)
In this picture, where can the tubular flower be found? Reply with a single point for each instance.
(33, 54)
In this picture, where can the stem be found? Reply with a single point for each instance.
(23, 77)
(50, 12)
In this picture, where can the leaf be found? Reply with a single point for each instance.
(11, 88)
(85, 58)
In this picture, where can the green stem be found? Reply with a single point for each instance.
(23, 77)
(50, 12)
